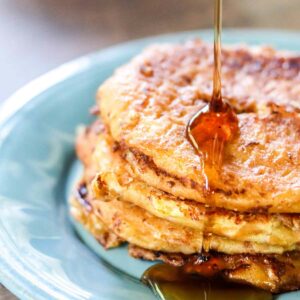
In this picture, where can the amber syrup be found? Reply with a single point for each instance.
(216, 124)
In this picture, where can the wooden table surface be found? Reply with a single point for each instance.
(38, 35)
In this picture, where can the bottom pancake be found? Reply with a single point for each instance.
(112, 222)
(275, 273)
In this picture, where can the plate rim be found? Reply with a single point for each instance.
(10, 107)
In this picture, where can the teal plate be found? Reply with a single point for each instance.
(42, 257)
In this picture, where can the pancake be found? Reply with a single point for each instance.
(115, 182)
(147, 104)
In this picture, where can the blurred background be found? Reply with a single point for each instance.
(38, 35)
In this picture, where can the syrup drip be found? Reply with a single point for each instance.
(208, 131)
(216, 124)
(174, 283)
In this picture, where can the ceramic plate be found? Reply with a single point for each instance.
(42, 256)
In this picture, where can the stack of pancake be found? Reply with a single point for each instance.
(144, 184)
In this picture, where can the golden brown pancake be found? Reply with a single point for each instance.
(147, 103)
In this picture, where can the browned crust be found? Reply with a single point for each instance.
(284, 268)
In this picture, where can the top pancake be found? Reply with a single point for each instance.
(147, 104)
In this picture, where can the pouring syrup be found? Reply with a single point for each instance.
(216, 124)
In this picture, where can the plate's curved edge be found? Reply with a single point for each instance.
(21, 287)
